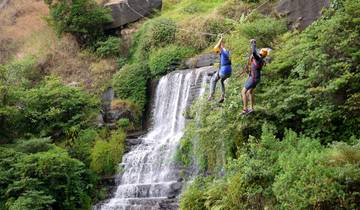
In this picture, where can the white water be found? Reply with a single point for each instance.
(149, 173)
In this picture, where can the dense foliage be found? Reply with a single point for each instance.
(44, 180)
(311, 88)
(35, 112)
(106, 155)
(298, 150)
(295, 173)
(130, 83)
(108, 48)
(162, 59)
(48, 109)
(82, 18)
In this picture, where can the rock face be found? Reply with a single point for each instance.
(206, 59)
(301, 13)
(128, 11)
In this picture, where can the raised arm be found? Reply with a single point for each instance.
(217, 46)
(254, 50)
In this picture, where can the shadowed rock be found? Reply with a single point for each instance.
(128, 11)
(301, 13)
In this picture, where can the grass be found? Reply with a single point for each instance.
(24, 32)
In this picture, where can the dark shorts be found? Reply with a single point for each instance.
(250, 83)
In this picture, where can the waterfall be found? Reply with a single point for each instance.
(150, 177)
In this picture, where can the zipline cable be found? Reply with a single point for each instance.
(189, 31)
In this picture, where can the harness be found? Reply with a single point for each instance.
(257, 66)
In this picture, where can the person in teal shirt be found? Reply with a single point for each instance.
(224, 71)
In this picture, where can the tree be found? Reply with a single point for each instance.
(82, 18)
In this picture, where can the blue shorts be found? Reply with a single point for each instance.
(250, 83)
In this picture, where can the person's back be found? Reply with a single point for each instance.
(224, 71)
(225, 62)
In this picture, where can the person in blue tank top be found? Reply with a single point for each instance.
(224, 71)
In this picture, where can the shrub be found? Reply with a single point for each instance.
(55, 109)
(161, 60)
(82, 18)
(316, 92)
(211, 25)
(194, 196)
(296, 172)
(193, 8)
(155, 33)
(106, 155)
(34, 145)
(163, 32)
(234, 9)
(108, 48)
(32, 200)
(120, 62)
(317, 177)
(130, 83)
(133, 112)
(15, 77)
(263, 29)
(123, 123)
(82, 145)
(48, 180)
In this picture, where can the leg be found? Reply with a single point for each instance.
(244, 98)
(251, 96)
(222, 87)
(213, 82)
(248, 86)
(223, 78)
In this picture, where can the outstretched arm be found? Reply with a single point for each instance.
(217, 46)
(253, 50)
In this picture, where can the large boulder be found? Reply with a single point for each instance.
(128, 11)
(301, 13)
(203, 60)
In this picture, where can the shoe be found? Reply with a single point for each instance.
(221, 100)
(210, 98)
(244, 112)
(250, 111)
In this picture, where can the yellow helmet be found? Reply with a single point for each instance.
(264, 52)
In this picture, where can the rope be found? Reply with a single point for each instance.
(252, 11)
(196, 32)
(181, 29)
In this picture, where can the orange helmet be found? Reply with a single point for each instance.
(264, 52)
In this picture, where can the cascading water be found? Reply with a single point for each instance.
(150, 178)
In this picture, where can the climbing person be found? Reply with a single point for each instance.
(257, 61)
(223, 72)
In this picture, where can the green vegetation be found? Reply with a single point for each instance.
(294, 173)
(130, 83)
(298, 150)
(306, 156)
(109, 48)
(161, 59)
(82, 18)
(49, 179)
(106, 155)
(47, 141)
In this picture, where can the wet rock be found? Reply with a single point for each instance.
(207, 59)
(175, 189)
(124, 11)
